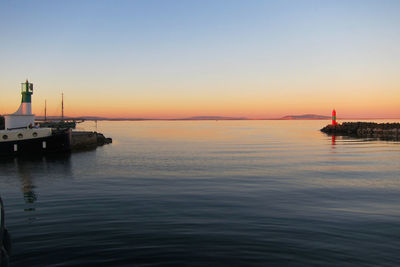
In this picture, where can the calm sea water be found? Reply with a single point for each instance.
(208, 193)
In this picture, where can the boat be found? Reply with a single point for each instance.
(20, 135)
(58, 124)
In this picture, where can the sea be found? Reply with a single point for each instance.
(208, 193)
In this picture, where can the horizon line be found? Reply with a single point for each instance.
(199, 118)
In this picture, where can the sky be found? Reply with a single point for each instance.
(182, 58)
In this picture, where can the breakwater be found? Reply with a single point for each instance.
(82, 140)
(386, 131)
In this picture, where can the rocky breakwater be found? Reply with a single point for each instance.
(81, 140)
(385, 131)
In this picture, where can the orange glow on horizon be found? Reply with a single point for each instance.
(252, 110)
(259, 103)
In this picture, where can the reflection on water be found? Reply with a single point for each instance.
(27, 185)
(28, 169)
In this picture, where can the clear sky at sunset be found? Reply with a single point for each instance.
(169, 59)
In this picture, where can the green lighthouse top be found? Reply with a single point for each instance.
(26, 91)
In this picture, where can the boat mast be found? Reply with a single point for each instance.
(45, 110)
(62, 107)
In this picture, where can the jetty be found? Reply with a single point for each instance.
(20, 134)
(82, 140)
(384, 131)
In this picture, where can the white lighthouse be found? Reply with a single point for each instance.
(21, 137)
(23, 117)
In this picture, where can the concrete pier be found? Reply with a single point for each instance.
(81, 140)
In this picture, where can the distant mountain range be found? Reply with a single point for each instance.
(214, 118)
(288, 117)
(141, 119)
(93, 118)
(305, 117)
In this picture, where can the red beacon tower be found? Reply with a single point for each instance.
(334, 123)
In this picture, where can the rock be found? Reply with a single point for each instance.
(102, 140)
(88, 140)
(387, 131)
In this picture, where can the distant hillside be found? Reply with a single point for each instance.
(139, 119)
(214, 118)
(40, 118)
(89, 118)
(305, 117)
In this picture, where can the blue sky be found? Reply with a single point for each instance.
(222, 57)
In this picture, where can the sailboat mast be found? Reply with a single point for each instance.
(62, 106)
(45, 110)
